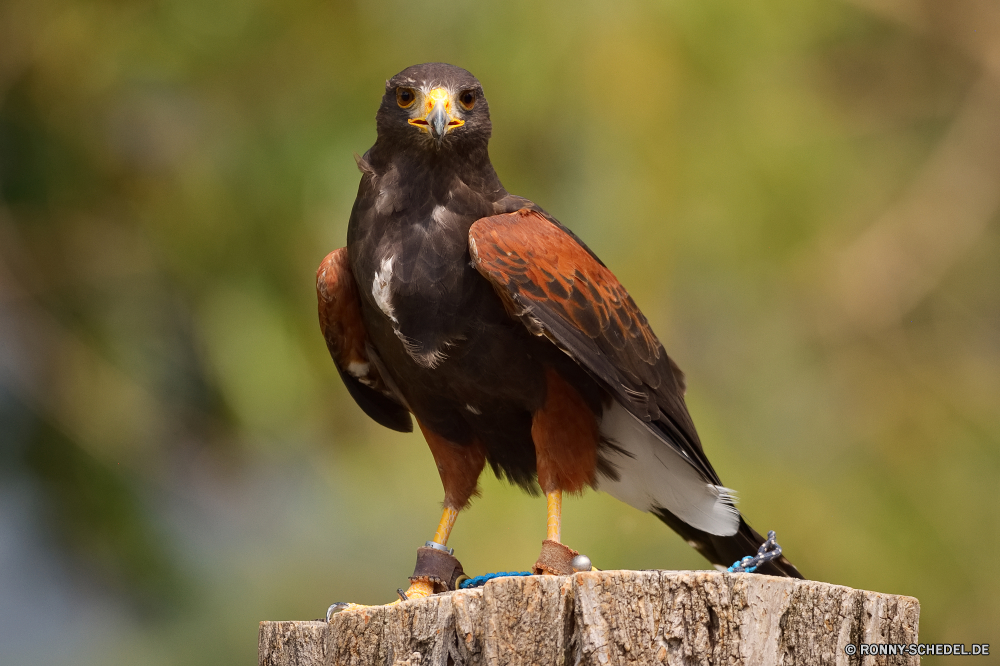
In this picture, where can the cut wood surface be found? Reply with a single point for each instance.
(609, 617)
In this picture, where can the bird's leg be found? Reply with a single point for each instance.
(459, 466)
(421, 587)
(566, 434)
(555, 558)
(553, 521)
(444, 527)
(424, 588)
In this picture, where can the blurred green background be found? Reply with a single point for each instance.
(802, 196)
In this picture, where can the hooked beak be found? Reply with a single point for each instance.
(437, 118)
(438, 121)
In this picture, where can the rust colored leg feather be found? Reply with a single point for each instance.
(566, 436)
(459, 467)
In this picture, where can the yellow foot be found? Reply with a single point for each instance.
(417, 590)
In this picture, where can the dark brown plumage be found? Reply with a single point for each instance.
(503, 334)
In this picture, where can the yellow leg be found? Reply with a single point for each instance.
(420, 589)
(444, 527)
(553, 501)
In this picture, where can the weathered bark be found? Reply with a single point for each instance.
(609, 617)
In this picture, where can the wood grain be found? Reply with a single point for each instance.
(610, 617)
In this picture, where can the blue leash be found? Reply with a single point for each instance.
(769, 550)
(479, 581)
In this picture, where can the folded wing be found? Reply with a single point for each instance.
(558, 289)
(346, 338)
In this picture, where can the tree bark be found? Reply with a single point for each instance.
(610, 617)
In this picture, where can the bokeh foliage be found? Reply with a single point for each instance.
(803, 198)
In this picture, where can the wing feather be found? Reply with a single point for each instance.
(347, 340)
(558, 288)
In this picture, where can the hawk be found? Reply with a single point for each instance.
(479, 315)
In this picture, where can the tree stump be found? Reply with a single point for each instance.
(609, 617)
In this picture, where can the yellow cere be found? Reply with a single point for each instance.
(438, 95)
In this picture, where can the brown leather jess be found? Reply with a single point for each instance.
(439, 567)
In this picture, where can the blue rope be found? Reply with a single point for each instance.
(769, 550)
(479, 581)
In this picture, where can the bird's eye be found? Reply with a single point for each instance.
(467, 99)
(405, 97)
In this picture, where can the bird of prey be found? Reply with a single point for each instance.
(505, 337)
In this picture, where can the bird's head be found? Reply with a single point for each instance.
(434, 106)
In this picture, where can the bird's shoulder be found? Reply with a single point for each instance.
(511, 203)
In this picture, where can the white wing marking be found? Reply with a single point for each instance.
(381, 290)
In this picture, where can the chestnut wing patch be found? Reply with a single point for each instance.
(558, 289)
(347, 340)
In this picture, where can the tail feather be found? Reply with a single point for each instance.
(723, 551)
(648, 473)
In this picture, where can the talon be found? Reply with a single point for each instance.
(402, 595)
(336, 608)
